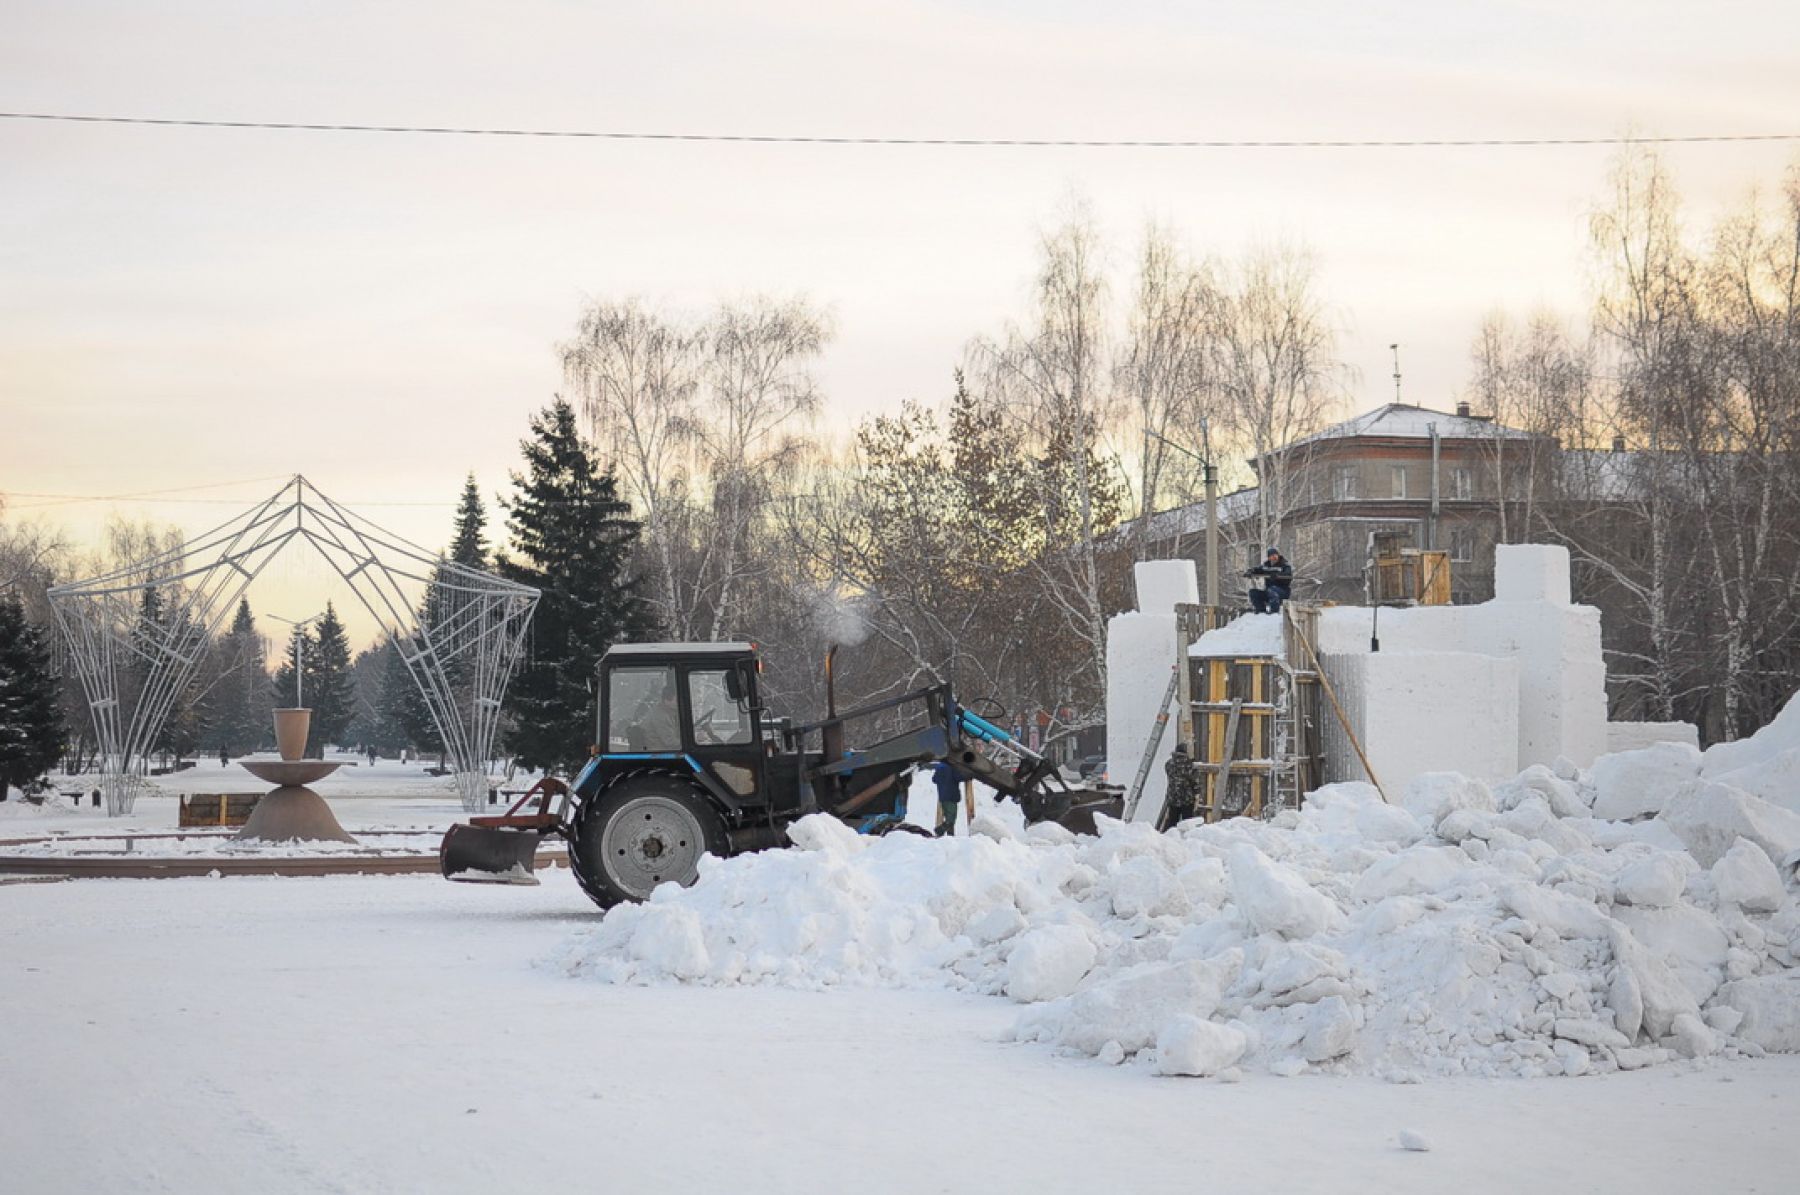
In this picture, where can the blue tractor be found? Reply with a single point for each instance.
(689, 762)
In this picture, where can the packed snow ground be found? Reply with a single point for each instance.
(827, 1017)
(397, 1035)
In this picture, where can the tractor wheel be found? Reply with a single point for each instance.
(642, 831)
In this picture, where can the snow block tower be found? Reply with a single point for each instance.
(1140, 659)
(1433, 698)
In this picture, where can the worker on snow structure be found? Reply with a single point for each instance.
(1272, 583)
(949, 793)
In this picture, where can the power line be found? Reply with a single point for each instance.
(64, 499)
(959, 142)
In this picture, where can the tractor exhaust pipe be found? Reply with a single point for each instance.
(831, 735)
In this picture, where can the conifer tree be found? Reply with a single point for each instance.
(330, 690)
(241, 697)
(31, 726)
(406, 719)
(572, 538)
(468, 547)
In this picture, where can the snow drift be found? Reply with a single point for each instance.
(1465, 930)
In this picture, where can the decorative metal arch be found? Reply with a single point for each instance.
(461, 642)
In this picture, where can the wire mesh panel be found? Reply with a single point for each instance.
(136, 635)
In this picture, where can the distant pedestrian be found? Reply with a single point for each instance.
(224, 757)
(371, 757)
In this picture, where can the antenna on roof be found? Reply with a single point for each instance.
(1396, 349)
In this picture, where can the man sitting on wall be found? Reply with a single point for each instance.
(1273, 583)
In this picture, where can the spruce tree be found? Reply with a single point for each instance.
(31, 726)
(242, 702)
(285, 692)
(406, 719)
(468, 547)
(330, 690)
(572, 538)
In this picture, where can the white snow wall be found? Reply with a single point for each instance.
(1140, 659)
(1418, 712)
(1560, 704)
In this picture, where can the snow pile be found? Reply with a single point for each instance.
(1465, 930)
(18, 808)
(1766, 765)
(1245, 635)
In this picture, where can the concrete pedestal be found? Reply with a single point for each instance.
(293, 813)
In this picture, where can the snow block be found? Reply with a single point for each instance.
(1131, 1008)
(1531, 573)
(1420, 712)
(1709, 818)
(1631, 736)
(1776, 779)
(1746, 877)
(1140, 659)
(1047, 963)
(1781, 735)
(1164, 584)
(1637, 783)
(1771, 1008)
(1245, 635)
(1188, 1045)
(1275, 900)
(1561, 695)
(1653, 882)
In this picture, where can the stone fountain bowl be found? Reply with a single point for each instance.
(290, 771)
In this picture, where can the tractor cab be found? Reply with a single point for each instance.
(692, 704)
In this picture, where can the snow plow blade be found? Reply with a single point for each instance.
(1079, 816)
(482, 855)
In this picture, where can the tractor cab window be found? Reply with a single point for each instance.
(718, 717)
(641, 712)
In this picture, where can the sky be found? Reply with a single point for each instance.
(188, 307)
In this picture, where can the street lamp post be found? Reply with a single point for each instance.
(1211, 475)
(299, 656)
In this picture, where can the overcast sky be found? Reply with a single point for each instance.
(183, 307)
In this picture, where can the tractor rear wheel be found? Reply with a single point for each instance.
(643, 831)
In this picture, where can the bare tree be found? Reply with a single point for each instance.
(706, 423)
(635, 375)
(1646, 317)
(1535, 380)
(1052, 379)
(1738, 438)
(760, 395)
(1166, 373)
(1275, 358)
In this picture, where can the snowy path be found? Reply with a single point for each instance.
(374, 1035)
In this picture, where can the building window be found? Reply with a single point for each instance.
(1398, 473)
(1462, 544)
(1462, 484)
(1343, 483)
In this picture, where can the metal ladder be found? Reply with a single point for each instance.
(1156, 737)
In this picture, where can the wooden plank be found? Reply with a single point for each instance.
(1223, 781)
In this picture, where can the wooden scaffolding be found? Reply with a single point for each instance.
(1250, 723)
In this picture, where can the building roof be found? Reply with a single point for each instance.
(1191, 519)
(1398, 421)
